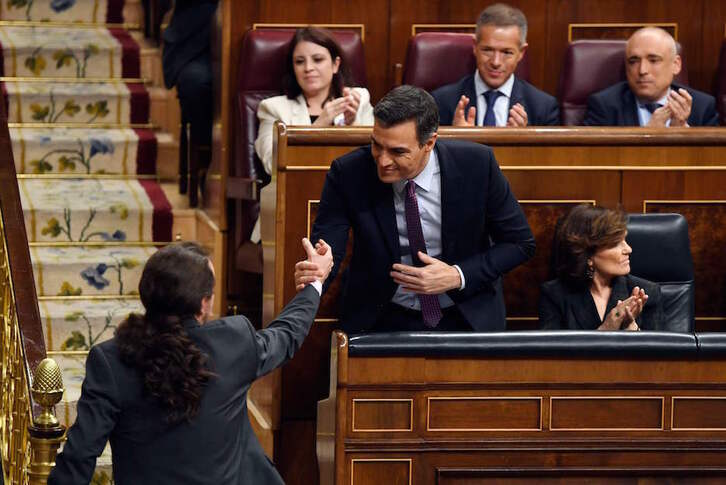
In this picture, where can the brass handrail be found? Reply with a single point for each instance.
(15, 409)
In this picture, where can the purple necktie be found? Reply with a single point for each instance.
(430, 308)
(491, 97)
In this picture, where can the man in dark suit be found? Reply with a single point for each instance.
(650, 97)
(213, 441)
(493, 95)
(435, 225)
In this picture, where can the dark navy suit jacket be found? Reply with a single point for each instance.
(541, 108)
(616, 106)
(218, 445)
(483, 230)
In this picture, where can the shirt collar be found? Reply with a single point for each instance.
(481, 87)
(662, 101)
(425, 178)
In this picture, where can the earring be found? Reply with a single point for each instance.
(590, 272)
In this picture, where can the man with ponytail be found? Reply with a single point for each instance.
(169, 390)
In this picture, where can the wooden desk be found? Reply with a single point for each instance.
(550, 170)
(518, 418)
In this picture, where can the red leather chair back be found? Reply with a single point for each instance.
(590, 66)
(434, 59)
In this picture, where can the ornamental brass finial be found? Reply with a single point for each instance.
(47, 392)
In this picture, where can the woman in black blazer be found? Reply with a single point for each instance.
(593, 289)
(170, 388)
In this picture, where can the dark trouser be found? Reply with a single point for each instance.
(194, 88)
(396, 318)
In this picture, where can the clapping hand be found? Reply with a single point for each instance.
(623, 316)
(517, 117)
(351, 109)
(461, 118)
(317, 266)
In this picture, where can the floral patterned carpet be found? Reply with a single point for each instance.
(86, 159)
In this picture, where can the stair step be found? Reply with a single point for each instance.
(88, 271)
(150, 60)
(165, 109)
(87, 210)
(82, 151)
(167, 157)
(80, 324)
(66, 102)
(68, 52)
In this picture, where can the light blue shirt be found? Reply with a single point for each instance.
(428, 197)
(644, 115)
(501, 105)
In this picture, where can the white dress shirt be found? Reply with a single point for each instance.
(428, 197)
(501, 105)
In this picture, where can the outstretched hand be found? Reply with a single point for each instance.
(317, 266)
(434, 278)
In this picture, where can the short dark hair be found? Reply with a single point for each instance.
(406, 103)
(321, 37)
(585, 230)
(503, 15)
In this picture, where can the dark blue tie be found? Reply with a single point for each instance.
(652, 107)
(430, 308)
(491, 98)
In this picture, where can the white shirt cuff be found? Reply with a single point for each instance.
(319, 286)
(461, 275)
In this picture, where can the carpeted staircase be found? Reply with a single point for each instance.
(77, 85)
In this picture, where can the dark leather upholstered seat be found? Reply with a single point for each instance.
(261, 69)
(525, 344)
(711, 344)
(662, 253)
(590, 66)
(435, 59)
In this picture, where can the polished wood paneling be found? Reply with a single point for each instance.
(382, 415)
(604, 420)
(471, 413)
(699, 413)
(613, 31)
(375, 471)
(590, 413)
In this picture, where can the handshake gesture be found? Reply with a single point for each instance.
(623, 316)
(316, 267)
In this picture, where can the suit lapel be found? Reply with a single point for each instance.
(299, 111)
(630, 114)
(382, 199)
(470, 92)
(517, 95)
(451, 199)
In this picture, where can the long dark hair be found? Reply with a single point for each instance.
(322, 37)
(173, 284)
(585, 230)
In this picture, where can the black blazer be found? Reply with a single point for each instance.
(616, 106)
(562, 307)
(542, 109)
(483, 230)
(218, 446)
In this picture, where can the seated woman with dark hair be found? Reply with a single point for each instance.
(316, 88)
(594, 289)
(169, 390)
